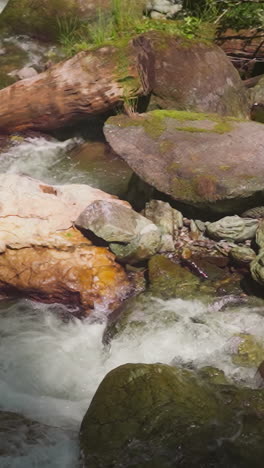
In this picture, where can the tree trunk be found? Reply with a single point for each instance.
(89, 83)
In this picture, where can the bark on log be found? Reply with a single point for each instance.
(87, 84)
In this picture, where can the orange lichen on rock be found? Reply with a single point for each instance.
(81, 275)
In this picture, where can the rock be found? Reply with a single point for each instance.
(172, 151)
(35, 213)
(194, 76)
(233, 228)
(20, 438)
(259, 377)
(43, 257)
(156, 415)
(242, 255)
(257, 92)
(102, 166)
(121, 225)
(213, 375)
(136, 317)
(257, 112)
(40, 18)
(168, 279)
(25, 72)
(260, 234)
(168, 8)
(257, 267)
(80, 275)
(22, 57)
(147, 405)
(256, 212)
(167, 219)
(247, 352)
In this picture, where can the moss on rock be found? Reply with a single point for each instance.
(154, 415)
(168, 279)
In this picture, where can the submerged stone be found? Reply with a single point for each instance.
(249, 353)
(169, 279)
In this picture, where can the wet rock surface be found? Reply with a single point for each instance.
(19, 436)
(156, 414)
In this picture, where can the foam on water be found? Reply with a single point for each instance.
(43, 159)
(50, 368)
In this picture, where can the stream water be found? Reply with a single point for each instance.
(50, 368)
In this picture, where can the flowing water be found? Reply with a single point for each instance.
(50, 366)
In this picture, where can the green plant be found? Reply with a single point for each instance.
(236, 14)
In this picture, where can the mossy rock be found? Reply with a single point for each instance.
(154, 415)
(197, 168)
(169, 279)
(213, 375)
(250, 352)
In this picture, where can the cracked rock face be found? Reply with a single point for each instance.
(43, 257)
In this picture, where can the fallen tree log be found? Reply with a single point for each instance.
(89, 83)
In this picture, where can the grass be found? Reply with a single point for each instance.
(122, 23)
(235, 14)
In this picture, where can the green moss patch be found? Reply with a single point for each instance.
(154, 122)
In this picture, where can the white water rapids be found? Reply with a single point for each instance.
(50, 367)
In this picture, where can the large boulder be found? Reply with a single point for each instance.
(47, 18)
(43, 257)
(196, 76)
(202, 160)
(159, 416)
